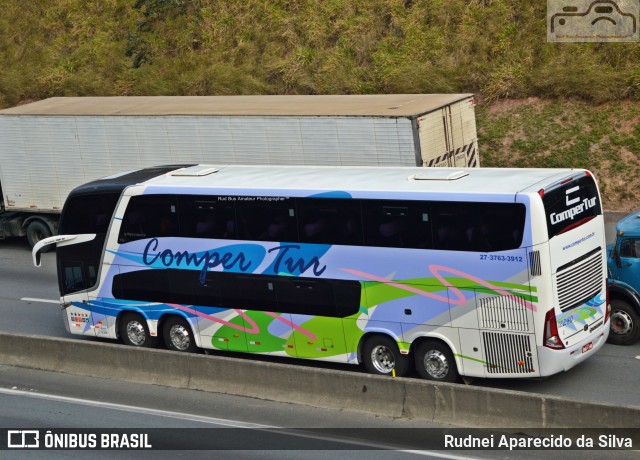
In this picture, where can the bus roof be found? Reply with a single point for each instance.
(379, 105)
(479, 181)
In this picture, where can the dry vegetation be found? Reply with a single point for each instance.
(545, 104)
(604, 138)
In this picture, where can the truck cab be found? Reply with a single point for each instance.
(623, 263)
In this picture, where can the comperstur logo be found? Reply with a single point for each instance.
(23, 439)
(573, 200)
(592, 20)
(577, 207)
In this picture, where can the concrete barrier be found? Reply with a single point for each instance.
(453, 404)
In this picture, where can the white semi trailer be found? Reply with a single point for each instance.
(49, 147)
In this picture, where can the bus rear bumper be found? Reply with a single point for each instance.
(555, 361)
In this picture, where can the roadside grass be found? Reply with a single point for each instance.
(532, 133)
(495, 48)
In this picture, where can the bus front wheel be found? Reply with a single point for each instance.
(381, 356)
(177, 335)
(434, 361)
(135, 332)
(625, 323)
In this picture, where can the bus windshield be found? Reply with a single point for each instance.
(78, 264)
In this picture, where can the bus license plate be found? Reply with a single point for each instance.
(587, 347)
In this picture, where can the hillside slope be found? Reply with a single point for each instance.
(603, 138)
(585, 95)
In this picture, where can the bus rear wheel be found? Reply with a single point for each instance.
(135, 332)
(625, 323)
(434, 361)
(177, 335)
(381, 355)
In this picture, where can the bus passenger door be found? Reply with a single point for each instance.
(77, 309)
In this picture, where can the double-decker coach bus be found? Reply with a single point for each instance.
(474, 272)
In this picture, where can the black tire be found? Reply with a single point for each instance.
(36, 231)
(134, 331)
(434, 361)
(625, 323)
(381, 355)
(178, 336)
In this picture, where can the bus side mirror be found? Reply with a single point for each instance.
(59, 240)
(37, 249)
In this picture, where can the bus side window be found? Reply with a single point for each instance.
(397, 224)
(73, 277)
(481, 227)
(305, 296)
(195, 287)
(329, 221)
(452, 226)
(481, 234)
(274, 221)
(321, 297)
(149, 216)
(206, 217)
(501, 225)
(149, 285)
(347, 297)
(249, 292)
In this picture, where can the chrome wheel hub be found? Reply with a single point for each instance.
(179, 337)
(383, 359)
(436, 364)
(136, 333)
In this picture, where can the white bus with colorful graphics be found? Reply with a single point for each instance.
(474, 272)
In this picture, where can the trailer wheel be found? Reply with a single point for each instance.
(135, 332)
(36, 231)
(381, 356)
(177, 335)
(625, 323)
(434, 361)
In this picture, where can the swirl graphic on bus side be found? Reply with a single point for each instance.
(436, 270)
(254, 327)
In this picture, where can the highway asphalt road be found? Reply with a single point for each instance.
(235, 427)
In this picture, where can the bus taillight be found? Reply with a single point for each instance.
(551, 338)
(607, 308)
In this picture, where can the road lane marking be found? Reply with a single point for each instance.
(31, 299)
(226, 423)
(134, 409)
